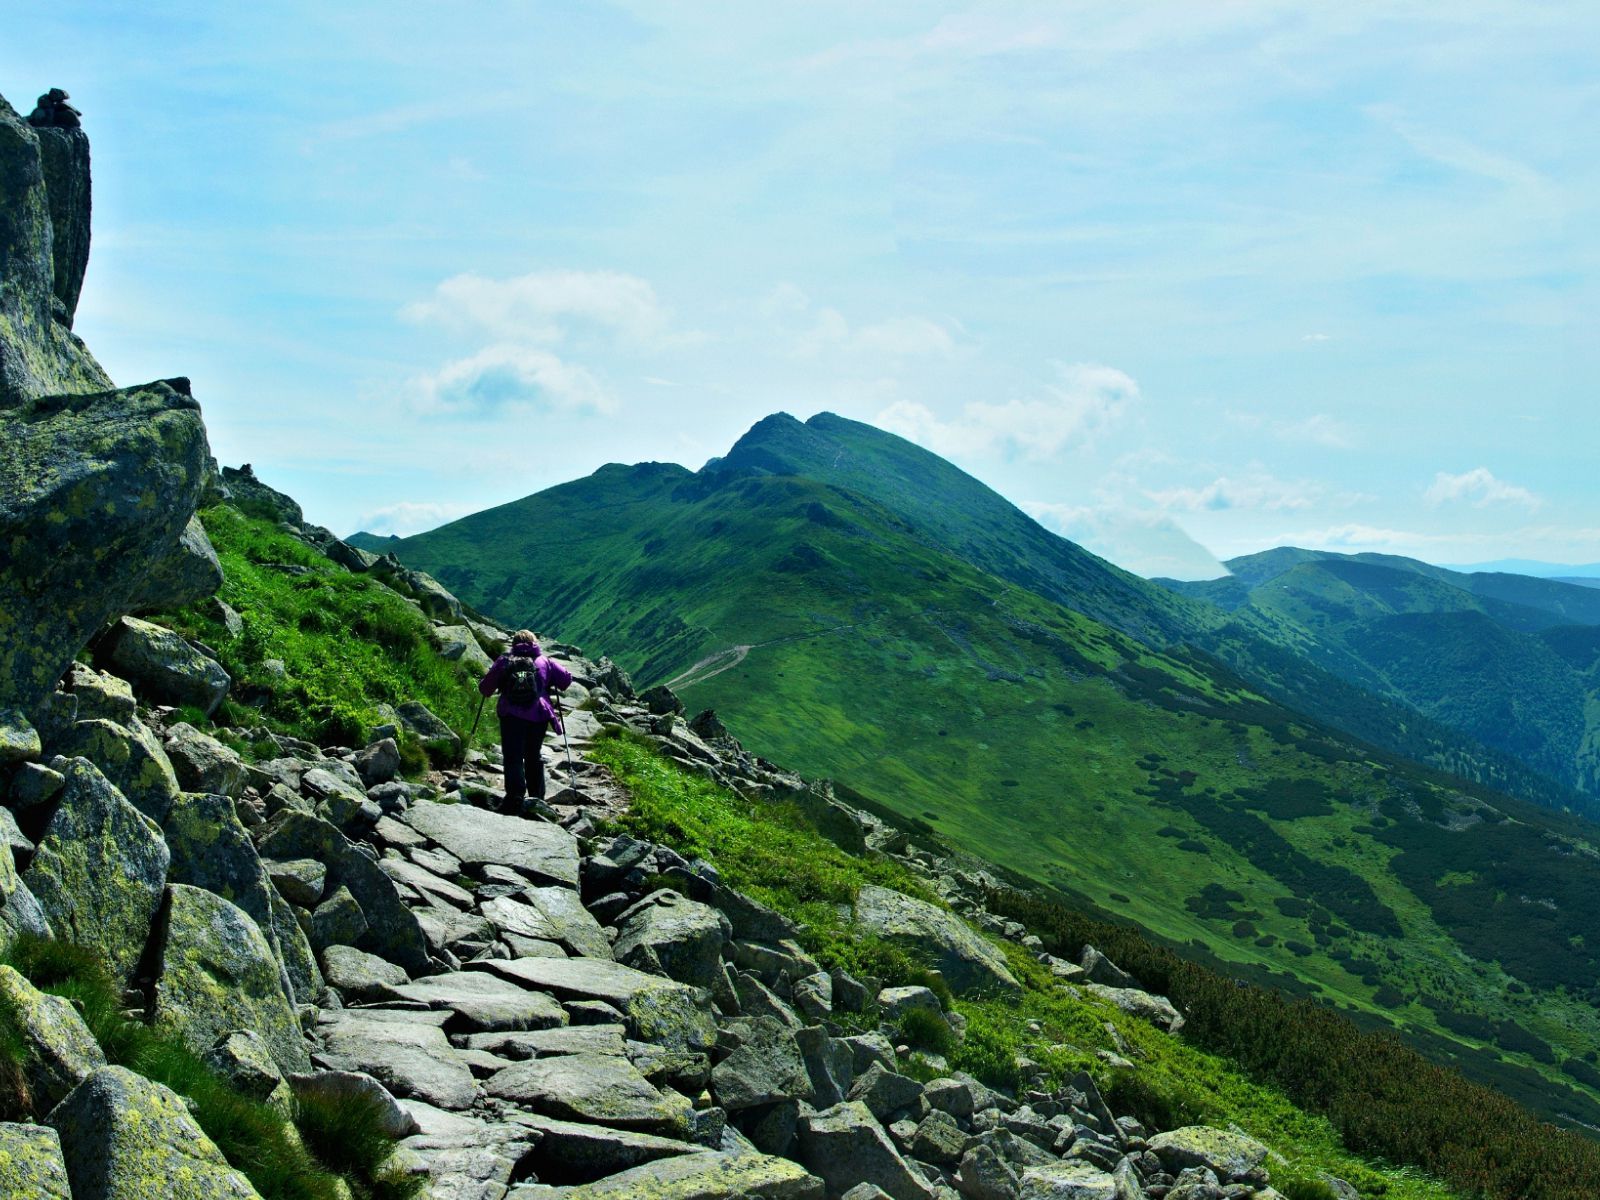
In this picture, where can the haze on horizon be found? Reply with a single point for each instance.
(1167, 275)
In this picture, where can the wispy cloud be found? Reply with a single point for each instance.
(503, 378)
(1477, 487)
(1082, 400)
(1257, 490)
(812, 331)
(544, 306)
(1144, 542)
(410, 517)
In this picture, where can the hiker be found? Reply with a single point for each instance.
(526, 681)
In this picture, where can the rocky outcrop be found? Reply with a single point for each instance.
(967, 961)
(39, 356)
(64, 159)
(94, 490)
(187, 573)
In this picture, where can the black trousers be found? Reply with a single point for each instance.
(520, 742)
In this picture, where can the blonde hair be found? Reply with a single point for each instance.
(524, 635)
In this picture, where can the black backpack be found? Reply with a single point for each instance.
(521, 682)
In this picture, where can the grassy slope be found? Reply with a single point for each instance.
(774, 856)
(1020, 730)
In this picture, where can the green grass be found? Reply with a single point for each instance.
(347, 642)
(770, 852)
(315, 1155)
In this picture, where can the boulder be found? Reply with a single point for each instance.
(245, 1060)
(130, 756)
(99, 694)
(31, 1165)
(294, 952)
(577, 1152)
(480, 1002)
(1229, 1155)
(361, 978)
(764, 1068)
(342, 1087)
(58, 1051)
(126, 1138)
(163, 666)
(1071, 1179)
(437, 738)
(100, 869)
(337, 921)
(212, 850)
(338, 800)
(885, 1092)
(218, 974)
(256, 499)
(379, 762)
(409, 1058)
(19, 740)
(830, 1062)
(984, 1175)
(300, 881)
(20, 911)
(457, 644)
(1097, 968)
(186, 574)
(668, 934)
(655, 1010)
(554, 914)
(393, 931)
(846, 1146)
(33, 784)
(968, 963)
(204, 764)
(541, 851)
(706, 1177)
(596, 1088)
(39, 356)
(1158, 1010)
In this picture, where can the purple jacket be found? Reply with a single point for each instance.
(553, 677)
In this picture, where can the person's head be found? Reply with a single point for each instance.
(525, 635)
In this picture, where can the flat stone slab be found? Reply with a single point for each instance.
(485, 1003)
(576, 1152)
(543, 1043)
(596, 1088)
(655, 1009)
(426, 882)
(544, 852)
(705, 1177)
(407, 1057)
(552, 914)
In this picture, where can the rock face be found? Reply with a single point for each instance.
(39, 356)
(31, 1164)
(87, 481)
(126, 1138)
(100, 869)
(218, 974)
(968, 963)
(64, 157)
(187, 573)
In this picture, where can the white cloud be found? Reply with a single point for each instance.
(814, 331)
(502, 377)
(410, 517)
(1084, 399)
(1317, 430)
(1147, 543)
(544, 306)
(1316, 337)
(1480, 488)
(1257, 490)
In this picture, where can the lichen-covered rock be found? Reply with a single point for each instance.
(218, 974)
(411, 1059)
(64, 158)
(671, 935)
(968, 963)
(300, 881)
(19, 908)
(19, 740)
(544, 852)
(437, 738)
(361, 978)
(1158, 1010)
(188, 573)
(393, 931)
(244, 1059)
(99, 694)
(130, 756)
(38, 353)
(164, 666)
(1230, 1155)
(99, 869)
(204, 764)
(457, 644)
(706, 1177)
(337, 921)
(31, 1165)
(344, 1087)
(379, 762)
(846, 1146)
(295, 953)
(127, 1138)
(58, 1051)
(1072, 1179)
(597, 1088)
(764, 1068)
(93, 489)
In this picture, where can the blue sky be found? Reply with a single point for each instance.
(1170, 275)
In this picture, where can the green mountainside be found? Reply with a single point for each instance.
(851, 639)
(1503, 659)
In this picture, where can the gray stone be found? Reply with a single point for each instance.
(256, 499)
(295, 953)
(984, 1175)
(58, 1051)
(408, 1057)
(437, 738)
(845, 1146)
(186, 574)
(130, 756)
(164, 667)
(668, 934)
(218, 974)
(597, 1088)
(99, 869)
(337, 801)
(339, 1088)
(379, 762)
(211, 849)
(484, 1003)
(885, 1092)
(361, 978)
(579, 1152)
(31, 1166)
(126, 1138)
(830, 1063)
(457, 644)
(953, 1096)
(1230, 1155)
(568, 921)
(543, 852)
(244, 1059)
(895, 1002)
(654, 1009)
(34, 784)
(1068, 1180)
(337, 921)
(202, 763)
(812, 996)
(299, 881)
(1097, 968)
(1158, 1010)
(99, 695)
(968, 963)
(393, 930)
(19, 740)
(764, 1068)
(939, 1139)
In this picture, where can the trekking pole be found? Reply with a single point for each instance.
(475, 720)
(572, 774)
